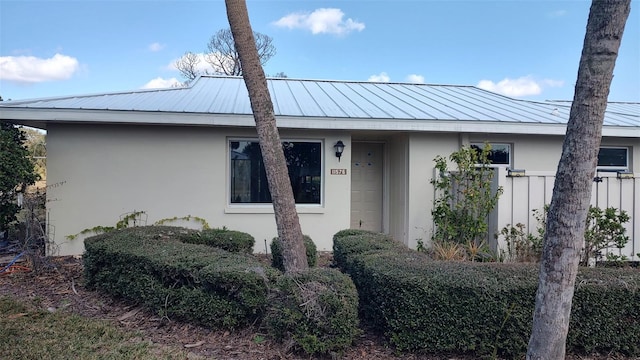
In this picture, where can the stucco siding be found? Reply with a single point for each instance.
(423, 148)
(398, 171)
(99, 172)
(542, 152)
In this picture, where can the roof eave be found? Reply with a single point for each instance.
(39, 118)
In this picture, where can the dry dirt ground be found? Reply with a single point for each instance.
(60, 288)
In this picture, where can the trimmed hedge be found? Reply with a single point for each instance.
(480, 308)
(230, 240)
(276, 252)
(316, 312)
(351, 242)
(196, 283)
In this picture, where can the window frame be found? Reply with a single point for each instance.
(508, 145)
(269, 205)
(607, 168)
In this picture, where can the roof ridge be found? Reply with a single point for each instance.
(336, 81)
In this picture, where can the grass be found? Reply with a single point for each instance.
(27, 333)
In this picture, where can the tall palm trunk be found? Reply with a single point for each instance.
(289, 232)
(566, 220)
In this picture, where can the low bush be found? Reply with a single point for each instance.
(483, 309)
(349, 243)
(316, 312)
(230, 240)
(276, 252)
(196, 283)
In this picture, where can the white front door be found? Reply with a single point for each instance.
(366, 186)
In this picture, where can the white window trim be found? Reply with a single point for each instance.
(264, 208)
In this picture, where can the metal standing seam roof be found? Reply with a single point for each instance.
(337, 100)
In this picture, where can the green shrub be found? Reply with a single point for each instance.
(314, 311)
(196, 283)
(605, 230)
(230, 240)
(605, 315)
(482, 309)
(349, 232)
(465, 197)
(350, 242)
(276, 252)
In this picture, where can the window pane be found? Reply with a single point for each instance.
(249, 179)
(499, 154)
(612, 157)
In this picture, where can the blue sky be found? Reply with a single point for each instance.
(524, 49)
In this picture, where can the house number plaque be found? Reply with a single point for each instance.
(338, 171)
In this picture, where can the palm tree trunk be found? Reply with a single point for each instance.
(566, 220)
(288, 224)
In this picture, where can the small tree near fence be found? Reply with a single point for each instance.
(464, 197)
(604, 231)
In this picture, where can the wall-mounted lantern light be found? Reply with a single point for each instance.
(339, 146)
(624, 175)
(516, 172)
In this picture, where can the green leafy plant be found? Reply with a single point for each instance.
(521, 246)
(134, 218)
(205, 225)
(16, 172)
(605, 230)
(464, 197)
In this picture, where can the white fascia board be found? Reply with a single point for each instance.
(246, 120)
(621, 131)
(451, 126)
(123, 117)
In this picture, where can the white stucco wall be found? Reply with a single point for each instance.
(423, 148)
(96, 173)
(397, 176)
(542, 152)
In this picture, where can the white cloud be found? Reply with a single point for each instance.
(321, 21)
(30, 69)
(415, 79)
(522, 86)
(557, 13)
(553, 83)
(382, 77)
(155, 47)
(160, 83)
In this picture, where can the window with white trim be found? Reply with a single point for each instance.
(499, 155)
(249, 179)
(613, 158)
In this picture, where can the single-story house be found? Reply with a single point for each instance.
(193, 151)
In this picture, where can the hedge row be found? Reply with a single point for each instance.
(191, 282)
(480, 308)
(230, 240)
(314, 312)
